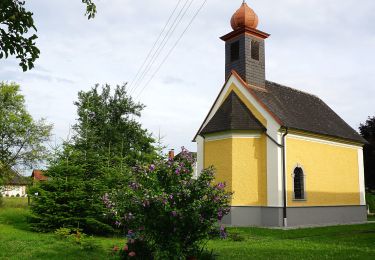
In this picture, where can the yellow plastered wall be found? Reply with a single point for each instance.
(241, 163)
(219, 155)
(331, 173)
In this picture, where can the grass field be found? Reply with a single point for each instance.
(340, 242)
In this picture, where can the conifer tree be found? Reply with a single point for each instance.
(107, 142)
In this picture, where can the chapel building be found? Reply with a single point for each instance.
(289, 159)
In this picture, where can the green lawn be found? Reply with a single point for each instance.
(341, 242)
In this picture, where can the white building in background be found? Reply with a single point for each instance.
(15, 187)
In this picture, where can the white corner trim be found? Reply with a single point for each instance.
(200, 154)
(361, 176)
(232, 135)
(322, 141)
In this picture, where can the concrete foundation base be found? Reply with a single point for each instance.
(296, 216)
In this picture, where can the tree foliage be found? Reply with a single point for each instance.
(22, 139)
(165, 212)
(106, 143)
(17, 31)
(106, 127)
(367, 131)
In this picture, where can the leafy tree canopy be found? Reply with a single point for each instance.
(16, 31)
(22, 139)
(106, 126)
(367, 130)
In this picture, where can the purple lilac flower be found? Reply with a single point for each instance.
(152, 167)
(177, 171)
(171, 197)
(223, 233)
(220, 186)
(220, 215)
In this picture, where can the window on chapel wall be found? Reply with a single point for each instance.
(299, 184)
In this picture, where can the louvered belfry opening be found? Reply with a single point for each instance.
(299, 185)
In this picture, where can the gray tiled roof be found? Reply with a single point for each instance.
(302, 111)
(232, 115)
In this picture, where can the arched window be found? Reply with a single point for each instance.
(299, 184)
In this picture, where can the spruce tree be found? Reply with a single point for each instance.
(106, 143)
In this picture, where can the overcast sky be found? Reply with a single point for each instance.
(323, 47)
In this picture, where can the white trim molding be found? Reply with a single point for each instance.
(322, 141)
(231, 135)
(200, 154)
(361, 175)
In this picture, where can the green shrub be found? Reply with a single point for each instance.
(236, 237)
(76, 236)
(63, 232)
(97, 227)
(164, 209)
(71, 201)
(370, 200)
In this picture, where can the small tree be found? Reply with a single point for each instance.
(165, 213)
(367, 131)
(22, 139)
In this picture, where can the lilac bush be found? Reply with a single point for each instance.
(165, 212)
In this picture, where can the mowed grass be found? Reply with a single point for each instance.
(339, 242)
(18, 242)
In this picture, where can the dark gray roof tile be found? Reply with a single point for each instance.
(302, 111)
(232, 115)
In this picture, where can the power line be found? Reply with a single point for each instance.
(165, 40)
(153, 47)
(174, 46)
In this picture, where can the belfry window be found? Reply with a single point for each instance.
(254, 50)
(235, 51)
(299, 184)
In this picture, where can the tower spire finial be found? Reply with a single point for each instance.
(244, 17)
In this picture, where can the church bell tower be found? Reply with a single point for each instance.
(245, 48)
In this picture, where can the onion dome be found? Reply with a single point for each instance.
(245, 17)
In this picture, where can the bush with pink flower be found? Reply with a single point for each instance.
(165, 212)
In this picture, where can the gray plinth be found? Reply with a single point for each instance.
(296, 216)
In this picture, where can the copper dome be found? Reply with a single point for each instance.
(244, 17)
